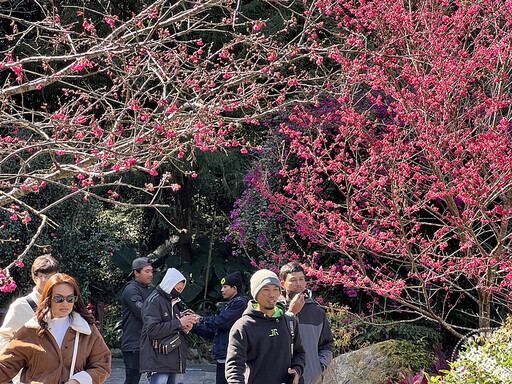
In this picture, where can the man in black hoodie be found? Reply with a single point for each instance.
(264, 345)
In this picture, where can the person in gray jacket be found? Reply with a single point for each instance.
(314, 327)
(134, 294)
(163, 349)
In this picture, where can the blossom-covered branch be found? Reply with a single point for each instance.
(88, 95)
(402, 186)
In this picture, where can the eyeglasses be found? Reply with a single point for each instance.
(60, 299)
(43, 277)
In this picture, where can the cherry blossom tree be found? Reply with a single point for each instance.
(404, 179)
(402, 185)
(88, 95)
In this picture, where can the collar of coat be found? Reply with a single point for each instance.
(174, 301)
(78, 323)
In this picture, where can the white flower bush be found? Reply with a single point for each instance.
(485, 361)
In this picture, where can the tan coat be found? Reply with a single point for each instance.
(44, 362)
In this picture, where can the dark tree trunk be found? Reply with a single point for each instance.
(183, 221)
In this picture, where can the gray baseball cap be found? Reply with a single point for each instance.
(140, 263)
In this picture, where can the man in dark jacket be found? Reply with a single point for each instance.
(134, 294)
(314, 327)
(217, 327)
(163, 350)
(264, 345)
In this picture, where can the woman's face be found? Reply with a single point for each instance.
(179, 287)
(62, 300)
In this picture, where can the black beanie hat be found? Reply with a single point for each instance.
(234, 279)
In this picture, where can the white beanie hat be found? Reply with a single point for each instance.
(261, 278)
(171, 278)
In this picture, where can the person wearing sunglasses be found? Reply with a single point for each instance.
(24, 308)
(60, 344)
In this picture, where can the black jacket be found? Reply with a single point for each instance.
(219, 325)
(132, 300)
(161, 316)
(261, 345)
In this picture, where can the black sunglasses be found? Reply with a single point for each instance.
(60, 299)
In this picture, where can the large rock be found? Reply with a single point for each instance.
(370, 365)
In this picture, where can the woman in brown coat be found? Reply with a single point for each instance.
(44, 348)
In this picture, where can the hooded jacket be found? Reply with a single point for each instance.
(221, 324)
(317, 339)
(133, 298)
(160, 317)
(259, 349)
(46, 363)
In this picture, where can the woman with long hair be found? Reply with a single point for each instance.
(60, 344)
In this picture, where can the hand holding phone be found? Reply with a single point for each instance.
(187, 312)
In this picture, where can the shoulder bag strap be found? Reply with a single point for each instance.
(291, 323)
(31, 302)
(75, 351)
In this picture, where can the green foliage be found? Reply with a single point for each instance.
(125, 223)
(343, 328)
(84, 246)
(487, 361)
(123, 258)
(222, 263)
(411, 357)
(81, 239)
(380, 329)
(112, 326)
(220, 175)
(352, 332)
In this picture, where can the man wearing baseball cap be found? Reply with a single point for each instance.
(134, 294)
(263, 346)
(218, 327)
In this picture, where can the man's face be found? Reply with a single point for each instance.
(145, 276)
(295, 282)
(267, 296)
(228, 292)
(40, 279)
